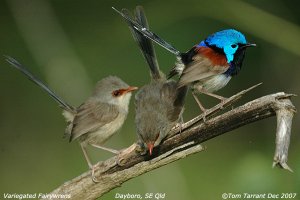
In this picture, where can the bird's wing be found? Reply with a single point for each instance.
(91, 116)
(199, 69)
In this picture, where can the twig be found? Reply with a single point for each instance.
(212, 111)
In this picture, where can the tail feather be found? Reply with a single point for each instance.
(144, 43)
(147, 33)
(38, 82)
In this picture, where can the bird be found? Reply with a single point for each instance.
(158, 104)
(95, 120)
(209, 65)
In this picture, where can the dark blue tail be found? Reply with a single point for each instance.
(147, 33)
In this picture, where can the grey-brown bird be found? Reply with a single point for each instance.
(98, 118)
(159, 104)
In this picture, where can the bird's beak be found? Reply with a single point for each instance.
(150, 147)
(248, 45)
(130, 89)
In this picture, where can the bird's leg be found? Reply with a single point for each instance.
(91, 166)
(200, 105)
(106, 149)
(180, 123)
(222, 99)
(213, 95)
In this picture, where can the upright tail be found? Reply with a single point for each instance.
(147, 33)
(144, 43)
(31, 77)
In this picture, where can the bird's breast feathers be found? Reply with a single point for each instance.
(213, 83)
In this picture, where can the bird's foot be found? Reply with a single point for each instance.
(222, 103)
(181, 123)
(123, 155)
(140, 148)
(179, 126)
(94, 179)
(204, 113)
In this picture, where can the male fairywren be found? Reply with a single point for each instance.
(207, 66)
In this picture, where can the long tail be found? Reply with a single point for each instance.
(144, 43)
(147, 33)
(31, 77)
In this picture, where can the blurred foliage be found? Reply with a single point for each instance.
(72, 44)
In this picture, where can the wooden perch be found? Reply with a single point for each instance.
(111, 175)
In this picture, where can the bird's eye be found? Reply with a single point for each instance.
(116, 93)
(233, 46)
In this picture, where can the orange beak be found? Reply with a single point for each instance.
(130, 89)
(150, 148)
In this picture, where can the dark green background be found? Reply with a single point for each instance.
(72, 44)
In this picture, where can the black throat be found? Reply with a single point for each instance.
(236, 64)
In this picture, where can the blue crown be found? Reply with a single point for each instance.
(225, 38)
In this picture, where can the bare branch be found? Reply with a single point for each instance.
(284, 112)
(112, 175)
